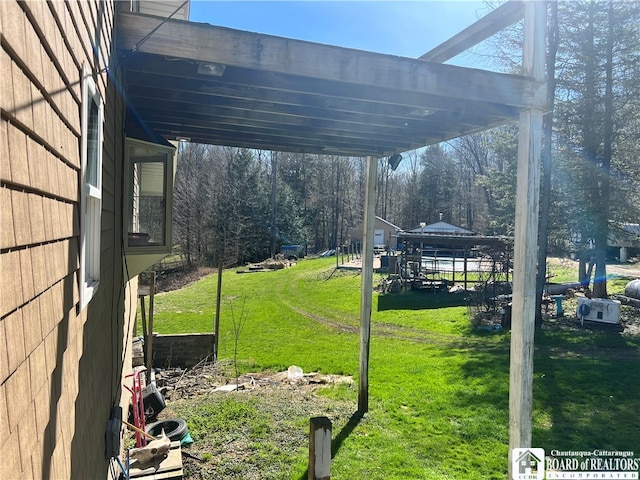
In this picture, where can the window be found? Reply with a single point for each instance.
(91, 185)
(150, 180)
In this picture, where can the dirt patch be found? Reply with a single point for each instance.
(207, 378)
(278, 404)
(177, 278)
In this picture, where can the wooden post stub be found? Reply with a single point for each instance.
(319, 448)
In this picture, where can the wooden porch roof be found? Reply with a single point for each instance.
(228, 87)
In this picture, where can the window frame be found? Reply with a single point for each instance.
(91, 189)
(168, 162)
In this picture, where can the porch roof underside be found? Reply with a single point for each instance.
(281, 94)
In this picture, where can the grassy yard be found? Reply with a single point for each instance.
(438, 388)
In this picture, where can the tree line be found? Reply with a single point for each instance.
(240, 205)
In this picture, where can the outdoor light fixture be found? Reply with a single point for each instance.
(394, 161)
(212, 69)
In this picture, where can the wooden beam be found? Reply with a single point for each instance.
(366, 291)
(319, 448)
(499, 19)
(152, 293)
(204, 43)
(526, 240)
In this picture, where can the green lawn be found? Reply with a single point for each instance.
(438, 388)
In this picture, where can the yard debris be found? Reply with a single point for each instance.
(176, 383)
(277, 263)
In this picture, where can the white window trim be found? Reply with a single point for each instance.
(91, 195)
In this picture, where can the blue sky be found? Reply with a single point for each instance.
(405, 28)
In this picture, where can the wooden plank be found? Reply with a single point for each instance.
(526, 241)
(206, 43)
(169, 468)
(366, 288)
(497, 20)
(181, 76)
(149, 339)
(319, 448)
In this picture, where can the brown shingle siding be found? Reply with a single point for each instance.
(38, 370)
(7, 235)
(4, 371)
(21, 223)
(40, 267)
(22, 102)
(6, 80)
(18, 389)
(5, 172)
(13, 24)
(10, 282)
(18, 156)
(16, 353)
(31, 325)
(26, 274)
(36, 155)
(36, 218)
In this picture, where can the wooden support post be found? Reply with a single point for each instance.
(526, 240)
(216, 324)
(152, 291)
(366, 290)
(319, 448)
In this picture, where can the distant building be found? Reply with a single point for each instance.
(385, 234)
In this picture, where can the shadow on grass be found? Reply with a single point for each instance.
(586, 392)
(419, 301)
(588, 388)
(337, 442)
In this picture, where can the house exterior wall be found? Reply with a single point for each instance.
(380, 224)
(60, 365)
